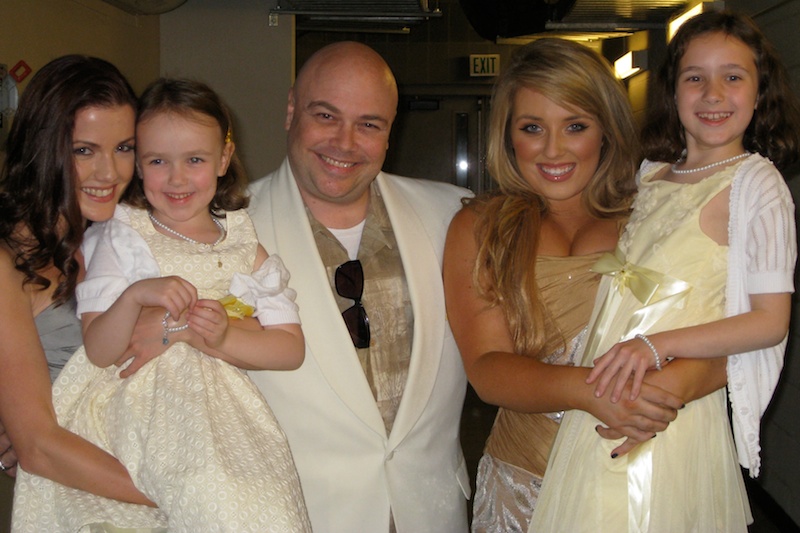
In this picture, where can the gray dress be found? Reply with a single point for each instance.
(60, 333)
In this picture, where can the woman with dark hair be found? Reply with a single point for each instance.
(190, 426)
(70, 156)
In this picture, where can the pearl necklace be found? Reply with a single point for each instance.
(675, 169)
(204, 246)
(189, 239)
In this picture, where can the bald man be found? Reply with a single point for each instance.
(372, 416)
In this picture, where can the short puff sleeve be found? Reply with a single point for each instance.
(116, 256)
(267, 290)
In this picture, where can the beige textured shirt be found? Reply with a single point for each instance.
(385, 299)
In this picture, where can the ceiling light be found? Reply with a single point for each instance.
(630, 63)
(702, 7)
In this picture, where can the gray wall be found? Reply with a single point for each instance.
(780, 21)
(231, 46)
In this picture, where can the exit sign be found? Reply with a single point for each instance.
(484, 64)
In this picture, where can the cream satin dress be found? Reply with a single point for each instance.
(665, 274)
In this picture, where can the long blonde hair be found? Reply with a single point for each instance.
(507, 229)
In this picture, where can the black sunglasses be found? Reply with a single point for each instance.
(350, 284)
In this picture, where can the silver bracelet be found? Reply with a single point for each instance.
(652, 348)
(168, 330)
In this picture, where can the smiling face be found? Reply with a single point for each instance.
(103, 158)
(557, 150)
(339, 116)
(716, 93)
(180, 158)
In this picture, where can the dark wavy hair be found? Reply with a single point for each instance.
(185, 97)
(773, 130)
(40, 217)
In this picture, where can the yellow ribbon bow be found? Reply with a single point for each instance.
(656, 291)
(642, 282)
(235, 307)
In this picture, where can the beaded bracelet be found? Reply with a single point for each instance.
(652, 348)
(168, 330)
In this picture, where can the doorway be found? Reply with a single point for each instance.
(441, 138)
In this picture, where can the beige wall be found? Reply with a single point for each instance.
(231, 46)
(37, 31)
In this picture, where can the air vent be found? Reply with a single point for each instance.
(357, 15)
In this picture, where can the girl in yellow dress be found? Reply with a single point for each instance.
(704, 269)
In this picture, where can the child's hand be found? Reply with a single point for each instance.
(625, 359)
(209, 320)
(173, 293)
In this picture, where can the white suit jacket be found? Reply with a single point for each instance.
(351, 471)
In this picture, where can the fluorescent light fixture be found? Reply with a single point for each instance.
(630, 63)
(702, 7)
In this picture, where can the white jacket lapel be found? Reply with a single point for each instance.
(327, 339)
(424, 279)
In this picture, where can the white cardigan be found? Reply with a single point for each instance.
(762, 249)
(761, 258)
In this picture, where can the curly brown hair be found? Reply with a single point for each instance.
(38, 181)
(772, 131)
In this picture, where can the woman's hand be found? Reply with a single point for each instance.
(8, 457)
(146, 341)
(641, 418)
(611, 434)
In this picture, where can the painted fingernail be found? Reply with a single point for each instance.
(614, 455)
(654, 436)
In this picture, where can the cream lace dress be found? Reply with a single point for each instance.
(687, 479)
(193, 431)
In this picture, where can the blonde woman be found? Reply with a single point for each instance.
(518, 280)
